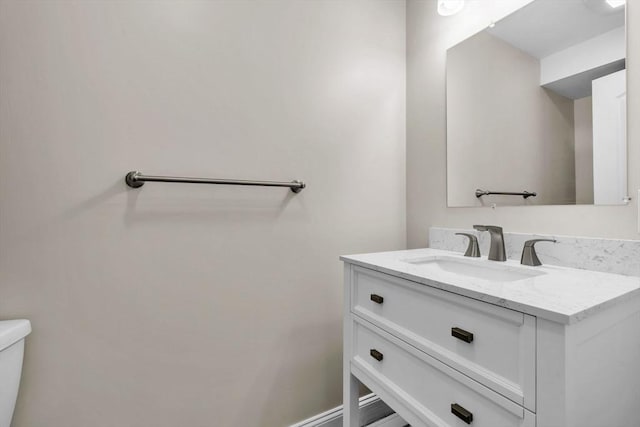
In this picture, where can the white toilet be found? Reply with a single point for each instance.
(12, 334)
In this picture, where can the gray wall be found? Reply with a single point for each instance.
(496, 110)
(583, 118)
(185, 305)
(428, 38)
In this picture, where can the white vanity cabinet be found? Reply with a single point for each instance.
(440, 358)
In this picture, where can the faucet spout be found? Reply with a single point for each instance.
(496, 249)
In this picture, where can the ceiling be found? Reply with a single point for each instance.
(546, 26)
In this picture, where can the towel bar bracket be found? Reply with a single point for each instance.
(131, 180)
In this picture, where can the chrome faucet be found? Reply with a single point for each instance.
(496, 250)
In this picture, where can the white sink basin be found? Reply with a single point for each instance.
(475, 268)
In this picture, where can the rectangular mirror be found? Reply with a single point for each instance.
(536, 104)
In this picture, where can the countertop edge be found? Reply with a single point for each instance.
(566, 319)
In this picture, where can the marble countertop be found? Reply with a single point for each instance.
(562, 294)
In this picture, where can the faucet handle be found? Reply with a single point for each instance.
(529, 256)
(473, 250)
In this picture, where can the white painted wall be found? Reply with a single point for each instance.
(185, 305)
(596, 52)
(428, 37)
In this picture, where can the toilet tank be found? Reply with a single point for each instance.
(12, 333)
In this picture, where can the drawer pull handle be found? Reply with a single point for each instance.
(461, 413)
(461, 334)
(377, 298)
(376, 354)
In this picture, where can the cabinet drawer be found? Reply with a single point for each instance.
(424, 391)
(491, 344)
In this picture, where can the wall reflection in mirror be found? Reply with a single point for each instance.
(537, 103)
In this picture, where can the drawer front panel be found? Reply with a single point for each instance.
(432, 393)
(490, 344)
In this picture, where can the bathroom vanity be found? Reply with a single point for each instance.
(447, 340)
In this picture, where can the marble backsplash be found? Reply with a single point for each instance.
(587, 253)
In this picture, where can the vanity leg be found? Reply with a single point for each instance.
(351, 412)
(350, 385)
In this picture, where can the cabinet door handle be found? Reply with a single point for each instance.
(461, 413)
(376, 354)
(461, 334)
(377, 298)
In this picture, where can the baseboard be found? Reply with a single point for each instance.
(371, 409)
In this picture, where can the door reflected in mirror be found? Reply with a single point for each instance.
(537, 103)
